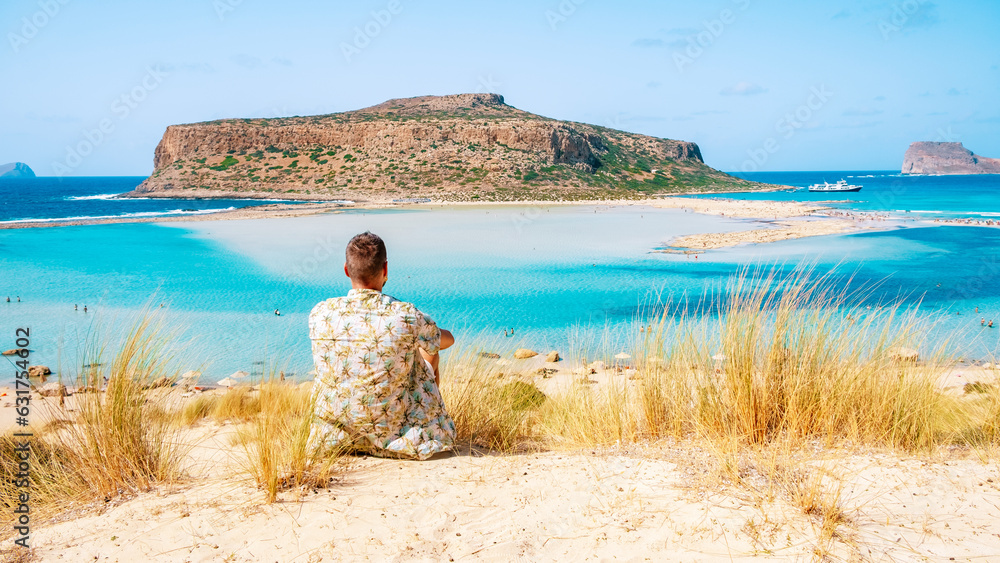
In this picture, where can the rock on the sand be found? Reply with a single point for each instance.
(524, 354)
(39, 371)
(15, 352)
(54, 389)
(904, 354)
(552, 357)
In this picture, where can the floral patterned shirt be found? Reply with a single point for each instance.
(373, 390)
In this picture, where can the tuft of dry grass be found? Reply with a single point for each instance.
(240, 403)
(777, 358)
(592, 416)
(118, 444)
(276, 441)
(491, 409)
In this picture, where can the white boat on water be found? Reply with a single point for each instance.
(841, 186)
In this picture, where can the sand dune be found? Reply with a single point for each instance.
(660, 503)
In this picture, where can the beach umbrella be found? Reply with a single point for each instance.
(226, 382)
(239, 375)
(619, 358)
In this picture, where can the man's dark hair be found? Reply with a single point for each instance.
(365, 257)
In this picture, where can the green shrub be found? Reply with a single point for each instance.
(225, 164)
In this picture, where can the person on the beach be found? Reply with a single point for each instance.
(377, 366)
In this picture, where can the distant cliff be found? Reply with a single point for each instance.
(459, 148)
(16, 170)
(946, 158)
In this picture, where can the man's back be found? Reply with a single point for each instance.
(372, 385)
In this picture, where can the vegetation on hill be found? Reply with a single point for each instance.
(452, 148)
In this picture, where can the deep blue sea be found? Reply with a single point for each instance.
(566, 277)
(52, 198)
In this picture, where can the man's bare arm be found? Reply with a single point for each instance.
(447, 339)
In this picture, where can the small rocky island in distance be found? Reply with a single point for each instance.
(16, 170)
(466, 147)
(946, 158)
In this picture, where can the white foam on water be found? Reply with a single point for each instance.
(121, 216)
(90, 197)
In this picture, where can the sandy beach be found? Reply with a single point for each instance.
(658, 501)
(781, 230)
(621, 504)
(744, 208)
(810, 222)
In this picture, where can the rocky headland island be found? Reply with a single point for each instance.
(16, 170)
(466, 147)
(946, 158)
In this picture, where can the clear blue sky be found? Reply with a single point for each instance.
(726, 74)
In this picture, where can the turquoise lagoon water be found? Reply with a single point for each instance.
(559, 275)
(920, 197)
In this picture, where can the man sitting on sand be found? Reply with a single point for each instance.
(377, 373)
